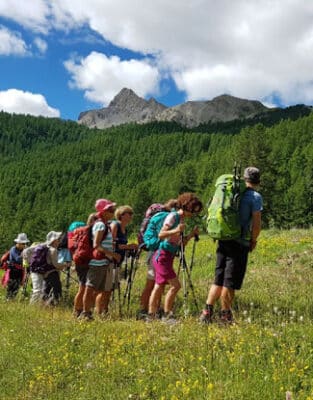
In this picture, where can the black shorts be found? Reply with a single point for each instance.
(82, 274)
(231, 264)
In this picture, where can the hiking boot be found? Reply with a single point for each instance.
(169, 319)
(160, 313)
(86, 316)
(141, 315)
(76, 313)
(206, 317)
(149, 318)
(226, 317)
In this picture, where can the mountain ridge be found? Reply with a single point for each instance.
(127, 107)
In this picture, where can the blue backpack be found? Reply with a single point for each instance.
(151, 236)
(38, 261)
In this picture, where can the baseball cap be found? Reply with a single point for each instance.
(252, 175)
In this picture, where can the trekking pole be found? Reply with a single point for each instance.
(70, 277)
(195, 240)
(25, 284)
(134, 256)
(67, 281)
(183, 265)
(186, 276)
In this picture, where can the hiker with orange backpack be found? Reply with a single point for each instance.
(15, 273)
(100, 273)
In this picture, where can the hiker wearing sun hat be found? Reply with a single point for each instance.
(16, 272)
(100, 273)
(52, 288)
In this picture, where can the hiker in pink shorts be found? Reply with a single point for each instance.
(163, 258)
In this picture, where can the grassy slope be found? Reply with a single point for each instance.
(47, 355)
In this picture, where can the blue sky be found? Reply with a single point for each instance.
(61, 57)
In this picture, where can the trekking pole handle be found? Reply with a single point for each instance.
(196, 236)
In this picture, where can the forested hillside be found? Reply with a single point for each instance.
(51, 171)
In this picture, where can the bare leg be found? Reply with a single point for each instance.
(78, 300)
(102, 302)
(171, 294)
(146, 293)
(88, 299)
(214, 294)
(155, 298)
(227, 297)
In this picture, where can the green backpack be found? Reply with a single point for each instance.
(223, 212)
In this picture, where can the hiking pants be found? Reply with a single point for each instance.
(52, 290)
(15, 281)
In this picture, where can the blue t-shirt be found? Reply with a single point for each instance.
(250, 202)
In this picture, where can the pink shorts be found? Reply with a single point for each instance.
(163, 264)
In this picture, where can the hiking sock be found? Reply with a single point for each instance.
(209, 307)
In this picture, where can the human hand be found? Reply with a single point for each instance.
(253, 244)
(181, 227)
(116, 257)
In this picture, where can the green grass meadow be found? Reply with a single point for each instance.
(47, 354)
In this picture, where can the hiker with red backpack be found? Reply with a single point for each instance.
(15, 272)
(100, 272)
(170, 237)
(153, 209)
(81, 268)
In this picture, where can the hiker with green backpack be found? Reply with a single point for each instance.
(168, 241)
(234, 219)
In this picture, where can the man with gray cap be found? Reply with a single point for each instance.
(232, 255)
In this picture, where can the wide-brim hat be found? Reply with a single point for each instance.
(21, 238)
(52, 236)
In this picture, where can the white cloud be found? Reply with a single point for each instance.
(20, 102)
(41, 44)
(11, 43)
(246, 48)
(102, 77)
(32, 14)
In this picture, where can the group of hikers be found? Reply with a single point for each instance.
(107, 227)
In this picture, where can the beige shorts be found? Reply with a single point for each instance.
(150, 271)
(100, 278)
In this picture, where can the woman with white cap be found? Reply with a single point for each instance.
(15, 266)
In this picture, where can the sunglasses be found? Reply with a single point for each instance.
(110, 210)
(128, 212)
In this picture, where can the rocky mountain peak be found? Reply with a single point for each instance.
(127, 107)
(124, 97)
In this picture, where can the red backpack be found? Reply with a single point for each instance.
(80, 245)
(5, 260)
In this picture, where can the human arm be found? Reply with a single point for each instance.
(98, 237)
(52, 258)
(255, 229)
(166, 232)
(194, 233)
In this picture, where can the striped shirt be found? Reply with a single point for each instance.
(106, 243)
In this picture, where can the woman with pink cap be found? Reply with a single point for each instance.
(100, 273)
